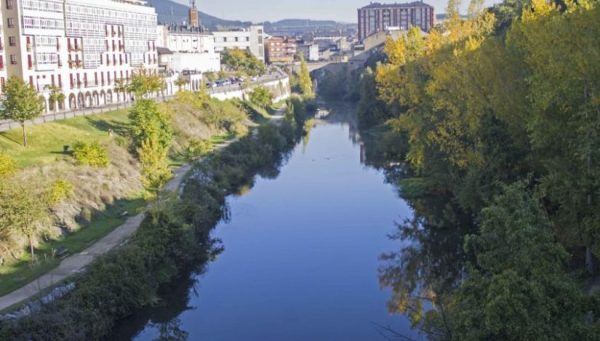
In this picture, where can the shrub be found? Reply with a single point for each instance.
(198, 148)
(261, 96)
(155, 164)
(91, 154)
(8, 166)
(60, 191)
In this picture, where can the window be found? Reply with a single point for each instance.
(13, 59)
(12, 41)
(10, 4)
(10, 22)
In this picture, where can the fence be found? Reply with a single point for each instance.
(221, 93)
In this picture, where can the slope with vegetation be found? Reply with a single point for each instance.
(495, 118)
(80, 178)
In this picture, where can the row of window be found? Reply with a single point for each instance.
(43, 23)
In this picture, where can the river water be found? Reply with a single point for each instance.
(301, 255)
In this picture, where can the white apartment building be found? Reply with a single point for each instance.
(3, 73)
(252, 39)
(80, 46)
(190, 49)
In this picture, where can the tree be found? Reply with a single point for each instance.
(121, 87)
(22, 212)
(518, 288)
(144, 83)
(56, 96)
(305, 82)
(181, 82)
(148, 122)
(261, 96)
(21, 103)
(155, 163)
(244, 62)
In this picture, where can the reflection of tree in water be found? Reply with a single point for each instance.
(172, 301)
(428, 266)
(171, 331)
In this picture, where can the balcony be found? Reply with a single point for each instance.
(75, 64)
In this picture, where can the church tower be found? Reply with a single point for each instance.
(194, 17)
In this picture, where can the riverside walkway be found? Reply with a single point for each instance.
(76, 263)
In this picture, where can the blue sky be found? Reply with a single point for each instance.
(270, 10)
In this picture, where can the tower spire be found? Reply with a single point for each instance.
(194, 17)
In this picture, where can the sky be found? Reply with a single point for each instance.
(272, 10)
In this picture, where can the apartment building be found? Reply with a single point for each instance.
(251, 39)
(3, 60)
(188, 48)
(281, 49)
(81, 46)
(378, 17)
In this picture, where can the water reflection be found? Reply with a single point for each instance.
(302, 254)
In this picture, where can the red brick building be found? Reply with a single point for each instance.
(280, 49)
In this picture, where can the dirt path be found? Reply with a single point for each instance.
(77, 263)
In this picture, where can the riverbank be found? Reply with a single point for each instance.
(174, 236)
(99, 199)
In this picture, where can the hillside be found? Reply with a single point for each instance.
(170, 12)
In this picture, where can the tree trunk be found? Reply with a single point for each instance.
(31, 248)
(24, 134)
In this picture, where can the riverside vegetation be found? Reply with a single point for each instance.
(80, 178)
(175, 235)
(493, 121)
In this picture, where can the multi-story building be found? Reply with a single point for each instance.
(378, 17)
(189, 49)
(251, 39)
(281, 49)
(3, 60)
(81, 46)
(310, 51)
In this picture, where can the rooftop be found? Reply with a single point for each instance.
(397, 5)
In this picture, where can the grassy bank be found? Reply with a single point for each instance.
(46, 141)
(174, 237)
(100, 195)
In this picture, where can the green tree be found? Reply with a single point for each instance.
(518, 287)
(304, 81)
(56, 96)
(22, 212)
(21, 103)
(155, 164)
(242, 61)
(144, 82)
(261, 96)
(148, 122)
(181, 82)
(121, 88)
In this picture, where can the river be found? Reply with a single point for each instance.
(301, 255)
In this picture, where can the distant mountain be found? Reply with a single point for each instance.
(296, 27)
(170, 12)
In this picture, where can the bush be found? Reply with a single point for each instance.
(8, 166)
(91, 154)
(60, 191)
(261, 96)
(155, 164)
(197, 148)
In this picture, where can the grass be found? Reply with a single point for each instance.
(46, 141)
(19, 274)
(178, 160)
